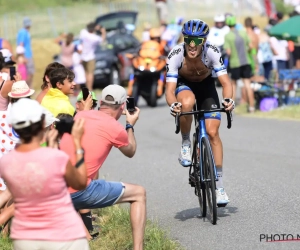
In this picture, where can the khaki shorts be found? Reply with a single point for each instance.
(79, 244)
(30, 66)
(89, 66)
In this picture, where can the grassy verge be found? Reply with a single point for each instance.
(283, 113)
(116, 233)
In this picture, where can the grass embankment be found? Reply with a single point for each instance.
(283, 113)
(116, 233)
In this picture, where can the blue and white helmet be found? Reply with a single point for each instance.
(195, 27)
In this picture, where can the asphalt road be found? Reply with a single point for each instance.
(261, 177)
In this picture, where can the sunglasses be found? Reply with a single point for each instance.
(193, 41)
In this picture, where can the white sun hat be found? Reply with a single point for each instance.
(20, 89)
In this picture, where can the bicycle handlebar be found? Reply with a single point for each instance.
(228, 113)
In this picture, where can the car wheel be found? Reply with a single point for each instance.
(114, 77)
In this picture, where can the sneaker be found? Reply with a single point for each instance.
(185, 156)
(222, 198)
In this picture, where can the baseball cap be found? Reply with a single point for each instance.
(26, 22)
(7, 57)
(80, 96)
(117, 92)
(25, 112)
(49, 118)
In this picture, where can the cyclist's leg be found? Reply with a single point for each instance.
(209, 99)
(186, 97)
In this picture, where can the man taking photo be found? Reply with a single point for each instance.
(102, 132)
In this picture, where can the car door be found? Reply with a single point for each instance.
(131, 45)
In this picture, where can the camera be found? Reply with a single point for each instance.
(64, 125)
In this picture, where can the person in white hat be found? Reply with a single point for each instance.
(6, 62)
(102, 132)
(20, 89)
(37, 178)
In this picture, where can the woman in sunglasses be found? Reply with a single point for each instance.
(190, 69)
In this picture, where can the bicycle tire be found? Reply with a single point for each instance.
(199, 186)
(209, 174)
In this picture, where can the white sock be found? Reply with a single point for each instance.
(219, 183)
(186, 139)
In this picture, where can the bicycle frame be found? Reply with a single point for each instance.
(201, 131)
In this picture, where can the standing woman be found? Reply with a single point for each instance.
(38, 178)
(67, 49)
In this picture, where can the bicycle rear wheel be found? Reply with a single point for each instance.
(199, 186)
(209, 177)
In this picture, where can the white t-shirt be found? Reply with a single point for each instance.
(78, 69)
(281, 47)
(89, 43)
(217, 36)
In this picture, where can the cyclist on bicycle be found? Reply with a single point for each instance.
(190, 69)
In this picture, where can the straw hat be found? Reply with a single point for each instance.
(20, 89)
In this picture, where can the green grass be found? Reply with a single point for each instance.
(116, 233)
(283, 113)
(5, 244)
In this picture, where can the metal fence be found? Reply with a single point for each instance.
(49, 23)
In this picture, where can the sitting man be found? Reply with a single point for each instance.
(102, 132)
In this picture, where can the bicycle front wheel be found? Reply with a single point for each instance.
(199, 186)
(209, 179)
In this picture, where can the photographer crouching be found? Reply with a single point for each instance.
(102, 132)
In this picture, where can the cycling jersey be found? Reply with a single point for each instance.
(211, 58)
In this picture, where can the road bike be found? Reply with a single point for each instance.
(203, 173)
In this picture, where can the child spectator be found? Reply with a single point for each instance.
(21, 62)
(56, 100)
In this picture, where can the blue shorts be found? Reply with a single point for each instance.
(98, 194)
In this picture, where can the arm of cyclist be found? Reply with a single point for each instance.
(130, 149)
(221, 72)
(227, 92)
(172, 65)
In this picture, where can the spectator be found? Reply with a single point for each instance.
(237, 47)
(162, 10)
(282, 53)
(218, 31)
(49, 125)
(4, 44)
(56, 100)
(67, 49)
(24, 40)
(146, 32)
(88, 104)
(5, 83)
(265, 53)
(37, 178)
(21, 62)
(90, 41)
(46, 83)
(253, 43)
(78, 70)
(102, 132)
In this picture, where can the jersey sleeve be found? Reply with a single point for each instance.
(173, 63)
(216, 61)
